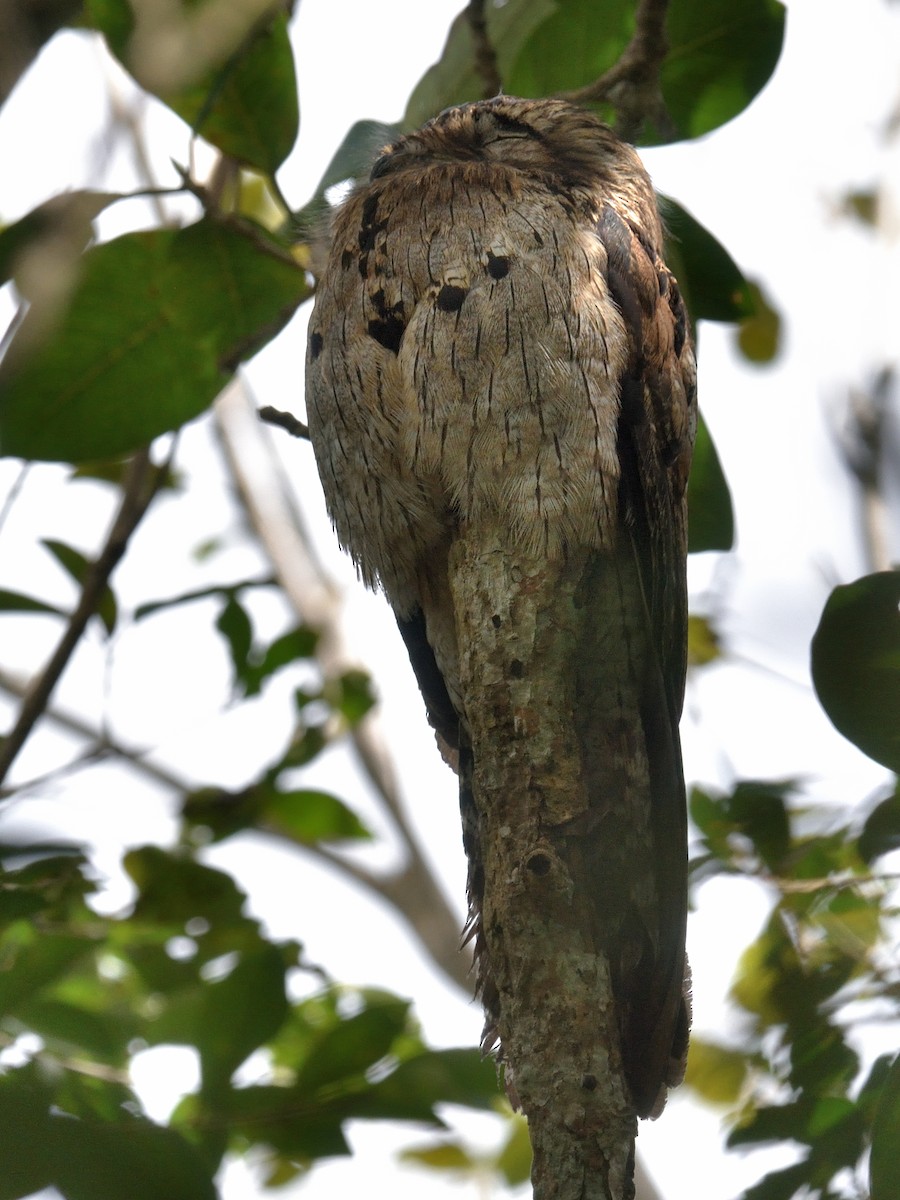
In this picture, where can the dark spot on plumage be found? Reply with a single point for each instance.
(497, 265)
(346, 259)
(364, 265)
(388, 331)
(315, 346)
(496, 621)
(589, 1083)
(450, 297)
(516, 669)
(370, 207)
(441, 712)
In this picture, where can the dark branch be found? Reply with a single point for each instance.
(284, 420)
(140, 486)
(485, 54)
(631, 86)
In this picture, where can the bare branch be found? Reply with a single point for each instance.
(632, 84)
(139, 487)
(283, 420)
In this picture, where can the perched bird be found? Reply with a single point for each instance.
(501, 399)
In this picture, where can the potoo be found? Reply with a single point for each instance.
(501, 397)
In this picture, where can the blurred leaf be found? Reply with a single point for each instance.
(103, 1036)
(309, 816)
(710, 513)
(760, 813)
(74, 563)
(234, 625)
(715, 1072)
(438, 1076)
(156, 327)
(801, 1121)
(174, 889)
(863, 205)
(239, 1014)
(17, 602)
(785, 1184)
(514, 1160)
(354, 695)
(61, 226)
(455, 78)
(32, 961)
(293, 646)
(353, 1045)
(881, 832)
(759, 334)
(217, 592)
(704, 646)
(856, 664)
(233, 82)
(821, 1060)
(441, 1156)
(134, 1158)
(713, 286)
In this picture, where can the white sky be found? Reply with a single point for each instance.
(768, 185)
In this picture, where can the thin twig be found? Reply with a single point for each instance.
(631, 85)
(139, 487)
(283, 420)
(485, 55)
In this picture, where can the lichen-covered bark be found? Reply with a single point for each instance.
(528, 634)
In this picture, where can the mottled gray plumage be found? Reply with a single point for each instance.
(498, 345)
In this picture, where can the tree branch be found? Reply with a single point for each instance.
(632, 84)
(139, 487)
(485, 54)
(272, 512)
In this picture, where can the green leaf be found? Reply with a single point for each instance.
(74, 563)
(352, 160)
(238, 91)
(715, 1072)
(759, 811)
(217, 591)
(309, 816)
(353, 1045)
(156, 326)
(710, 512)
(36, 961)
(514, 1159)
(239, 1014)
(759, 334)
(455, 78)
(856, 664)
(438, 1076)
(136, 1159)
(103, 1036)
(449, 1157)
(713, 286)
(721, 55)
(174, 889)
(235, 626)
(17, 602)
(290, 647)
(61, 226)
(881, 832)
